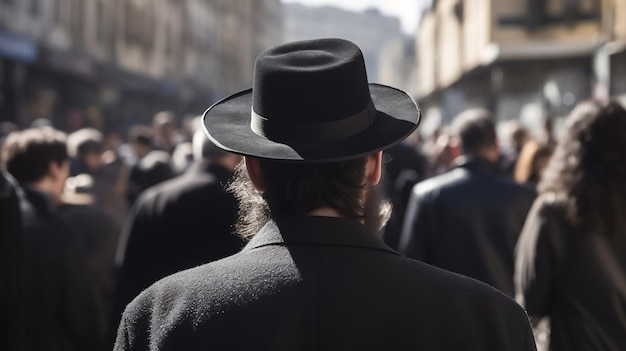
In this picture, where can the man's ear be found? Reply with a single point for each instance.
(254, 172)
(55, 169)
(374, 168)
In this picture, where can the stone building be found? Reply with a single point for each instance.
(112, 63)
(529, 60)
(370, 30)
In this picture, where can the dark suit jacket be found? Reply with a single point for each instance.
(11, 246)
(59, 304)
(575, 277)
(321, 283)
(468, 221)
(178, 224)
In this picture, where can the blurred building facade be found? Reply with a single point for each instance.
(529, 60)
(371, 30)
(111, 63)
(397, 65)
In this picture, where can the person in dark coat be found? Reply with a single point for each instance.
(404, 167)
(571, 255)
(316, 275)
(11, 246)
(151, 167)
(166, 232)
(58, 303)
(468, 220)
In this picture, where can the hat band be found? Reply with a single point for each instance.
(313, 132)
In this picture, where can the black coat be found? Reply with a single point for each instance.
(404, 167)
(575, 277)
(59, 303)
(468, 221)
(11, 246)
(321, 283)
(178, 224)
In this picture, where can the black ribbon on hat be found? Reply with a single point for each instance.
(309, 133)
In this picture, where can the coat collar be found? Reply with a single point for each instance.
(476, 164)
(317, 231)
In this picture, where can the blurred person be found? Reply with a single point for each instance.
(151, 167)
(11, 247)
(99, 230)
(571, 257)
(166, 135)
(467, 220)
(182, 157)
(519, 136)
(315, 275)
(444, 153)
(404, 167)
(167, 231)
(532, 160)
(107, 175)
(85, 147)
(57, 297)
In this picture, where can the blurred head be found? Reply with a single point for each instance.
(164, 124)
(87, 145)
(532, 161)
(588, 168)
(519, 136)
(476, 132)
(140, 138)
(38, 157)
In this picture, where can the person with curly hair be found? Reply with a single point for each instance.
(571, 255)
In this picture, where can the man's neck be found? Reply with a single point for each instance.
(46, 188)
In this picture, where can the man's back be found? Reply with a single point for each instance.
(467, 221)
(321, 283)
(178, 224)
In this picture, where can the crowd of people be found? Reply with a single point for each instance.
(315, 223)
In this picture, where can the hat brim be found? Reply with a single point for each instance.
(227, 124)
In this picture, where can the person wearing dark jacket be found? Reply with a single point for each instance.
(165, 231)
(316, 275)
(58, 303)
(571, 255)
(11, 246)
(468, 220)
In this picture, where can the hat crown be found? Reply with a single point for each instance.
(308, 82)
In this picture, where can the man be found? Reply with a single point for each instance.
(468, 219)
(151, 166)
(404, 167)
(166, 136)
(166, 230)
(11, 247)
(58, 303)
(315, 275)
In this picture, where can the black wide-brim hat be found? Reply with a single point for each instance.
(311, 102)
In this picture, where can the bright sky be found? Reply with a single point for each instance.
(407, 10)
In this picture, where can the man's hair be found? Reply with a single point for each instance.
(299, 188)
(476, 130)
(85, 140)
(140, 134)
(27, 154)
